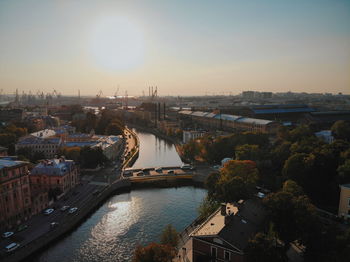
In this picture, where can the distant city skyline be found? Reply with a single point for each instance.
(182, 47)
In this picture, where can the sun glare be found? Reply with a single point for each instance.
(117, 43)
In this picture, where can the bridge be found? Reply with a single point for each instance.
(157, 173)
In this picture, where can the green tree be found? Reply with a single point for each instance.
(237, 180)
(297, 167)
(169, 236)
(154, 253)
(114, 128)
(341, 130)
(344, 172)
(292, 187)
(207, 207)
(248, 152)
(6, 139)
(262, 248)
(92, 157)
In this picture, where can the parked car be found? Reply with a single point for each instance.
(187, 167)
(22, 227)
(64, 208)
(170, 172)
(72, 210)
(53, 224)
(7, 234)
(158, 169)
(11, 247)
(140, 173)
(48, 211)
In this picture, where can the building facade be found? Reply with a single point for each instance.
(54, 174)
(15, 193)
(225, 234)
(344, 201)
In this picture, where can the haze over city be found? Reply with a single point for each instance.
(183, 47)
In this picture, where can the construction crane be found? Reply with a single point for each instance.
(116, 93)
(99, 94)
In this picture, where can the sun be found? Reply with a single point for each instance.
(117, 43)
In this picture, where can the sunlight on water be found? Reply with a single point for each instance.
(125, 221)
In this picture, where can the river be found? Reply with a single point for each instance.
(129, 219)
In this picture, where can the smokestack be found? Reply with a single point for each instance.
(158, 111)
(164, 111)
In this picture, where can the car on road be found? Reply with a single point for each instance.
(72, 210)
(158, 169)
(53, 224)
(7, 234)
(48, 211)
(22, 227)
(171, 172)
(140, 173)
(11, 247)
(64, 208)
(187, 167)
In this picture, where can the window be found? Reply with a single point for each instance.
(227, 255)
(213, 252)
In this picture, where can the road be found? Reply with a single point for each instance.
(80, 196)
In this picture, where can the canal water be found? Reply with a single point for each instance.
(130, 219)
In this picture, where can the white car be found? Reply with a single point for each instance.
(7, 234)
(72, 210)
(48, 211)
(11, 247)
(64, 208)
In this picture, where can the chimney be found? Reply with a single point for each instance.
(223, 209)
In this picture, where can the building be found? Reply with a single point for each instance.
(9, 115)
(227, 122)
(189, 135)
(225, 234)
(326, 136)
(344, 201)
(15, 193)
(48, 146)
(110, 145)
(55, 173)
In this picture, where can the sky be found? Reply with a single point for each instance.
(197, 47)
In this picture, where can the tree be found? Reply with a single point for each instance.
(72, 153)
(248, 152)
(169, 236)
(292, 187)
(297, 167)
(237, 180)
(281, 210)
(207, 207)
(92, 157)
(154, 253)
(262, 248)
(341, 130)
(344, 172)
(114, 128)
(6, 139)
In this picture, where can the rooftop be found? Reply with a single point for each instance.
(237, 225)
(10, 163)
(55, 167)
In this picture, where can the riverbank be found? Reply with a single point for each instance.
(157, 133)
(69, 224)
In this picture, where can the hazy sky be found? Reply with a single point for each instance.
(184, 47)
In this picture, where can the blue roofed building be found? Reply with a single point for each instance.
(54, 174)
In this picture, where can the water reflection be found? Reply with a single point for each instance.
(126, 220)
(123, 222)
(155, 152)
